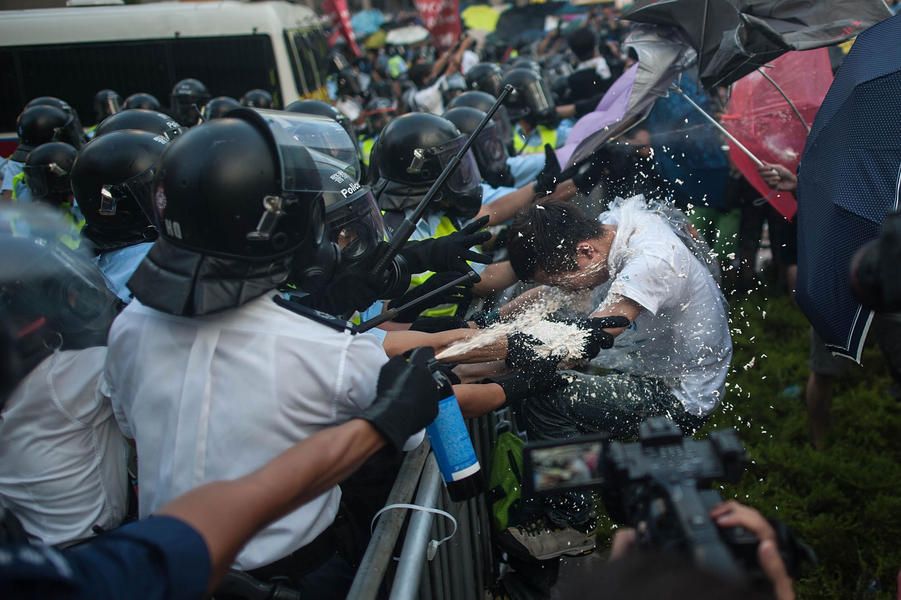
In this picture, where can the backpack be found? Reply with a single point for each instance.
(505, 481)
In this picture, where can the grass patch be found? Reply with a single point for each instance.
(845, 501)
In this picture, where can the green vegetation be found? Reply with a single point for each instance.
(844, 501)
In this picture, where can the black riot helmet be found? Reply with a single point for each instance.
(240, 208)
(41, 124)
(485, 77)
(150, 121)
(111, 180)
(106, 103)
(47, 172)
(51, 296)
(412, 152)
(348, 83)
(257, 99)
(483, 101)
(527, 63)
(187, 100)
(323, 109)
(142, 100)
(489, 149)
(218, 107)
(61, 104)
(531, 98)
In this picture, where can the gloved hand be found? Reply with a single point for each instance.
(523, 356)
(549, 177)
(597, 339)
(484, 320)
(460, 294)
(406, 398)
(448, 253)
(588, 175)
(518, 386)
(437, 324)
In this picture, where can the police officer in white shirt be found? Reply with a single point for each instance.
(208, 370)
(62, 456)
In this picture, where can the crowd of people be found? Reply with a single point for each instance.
(193, 395)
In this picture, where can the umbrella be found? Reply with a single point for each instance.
(524, 22)
(480, 16)
(770, 111)
(367, 22)
(376, 40)
(661, 56)
(849, 180)
(770, 28)
(410, 34)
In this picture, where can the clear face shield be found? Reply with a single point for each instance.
(354, 222)
(123, 197)
(490, 151)
(111, 105)
(45, 181)
(463, 179)
(69, 133)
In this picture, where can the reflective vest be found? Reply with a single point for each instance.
(366, 146)
(71, 214)
(533, 144)
(445, 227)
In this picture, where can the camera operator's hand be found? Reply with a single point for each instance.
(406, 398)
(733, 514)
(448, 253)
(549, 177)
(597, 338)
(461, 295)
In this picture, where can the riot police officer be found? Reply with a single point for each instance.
(532, 107)
(150, 121)
(485, 77)
(106, 103)
(218, 107)
(47, 179)
(142, 100)
(257, 98)
(187, 100)
(111, 180)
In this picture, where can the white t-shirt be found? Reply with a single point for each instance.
(63, 460)
(682, 335)
(217, 397)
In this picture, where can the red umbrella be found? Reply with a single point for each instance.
(771, 111)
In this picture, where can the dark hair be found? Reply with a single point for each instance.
(419, 73)
(545, 237)
(583, 43)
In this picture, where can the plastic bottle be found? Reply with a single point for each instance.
(452, 446)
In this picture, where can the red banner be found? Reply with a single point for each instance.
(442, 19)
(342, 14)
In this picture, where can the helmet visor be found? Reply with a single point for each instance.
(354, 224)
(300, 137)
(69, 133)
(490, 151)
(466, 175)
(43, 180)
(138, 189)
(538, 98)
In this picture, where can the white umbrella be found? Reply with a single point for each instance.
(407, 35)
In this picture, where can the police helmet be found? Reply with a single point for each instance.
(489, 149)
(218, 107)
(323, 109)
(412, 152)
(348, 83)
(483, 101)
(106, 103)
(142, 100)
(454, 85)
(61, 104)
(150, 121)
(257, 99)
(187, 100)
(485, 77)
(51, 296)
(378, 113)
(531, 99)
(527, 63)
(111, 180)
(41, 124)
(47, 171)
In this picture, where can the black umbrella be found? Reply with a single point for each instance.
(849, 180)
(770, 28)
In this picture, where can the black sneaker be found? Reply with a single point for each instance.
(542, 540)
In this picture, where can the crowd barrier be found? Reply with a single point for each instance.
(401, 562)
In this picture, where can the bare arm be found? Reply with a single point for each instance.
(620, 307)
(505, 208)
(477, 399)
(495, 277)
(228, 513)
(529, 296)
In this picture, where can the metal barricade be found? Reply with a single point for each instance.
(463, 567)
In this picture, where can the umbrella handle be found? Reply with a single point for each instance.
(784, 97)
(675, 87)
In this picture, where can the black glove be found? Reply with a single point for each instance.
(437, 324)
(406, 398)
(518, 386)
(461, 295)
(484, 320)
(522, 356)
(448, 253)
(588, 175)
(597, 339)
(547, 180)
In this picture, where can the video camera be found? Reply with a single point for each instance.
(660, 485)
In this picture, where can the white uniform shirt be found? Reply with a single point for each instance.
(62, 457)
(218, 396)
(10, 170)
(682, 336)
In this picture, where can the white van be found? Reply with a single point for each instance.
(230, 46)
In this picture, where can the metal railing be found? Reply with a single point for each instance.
(461, 568)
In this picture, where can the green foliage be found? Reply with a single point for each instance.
(845, 501)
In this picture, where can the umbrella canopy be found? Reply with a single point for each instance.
(367, 22)
(769, 28)
(410, 34)
(771, 111)
(376, 40)
(524, 22)
(849, 180)
(480, 16)
(662, 55)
